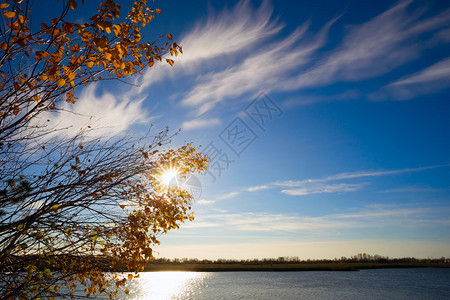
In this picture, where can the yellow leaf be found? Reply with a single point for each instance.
(71, 75)
(108, 30)
(9, 14)
(170, 61)
(117, 29)
(61, 82)
(90, 64)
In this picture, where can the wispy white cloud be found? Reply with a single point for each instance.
(323, 188)
(438, 71)
(432, 79)
(325, 184)
(258, 188)
(269, 222)
(205, 202)
(200, 123)
(197, 225)
(107, 115)
(221, 34)
(354, 175)
(367, 50)
(240, 51)
(228, 195)
(216, 198)
(400, 216)
(383, 213)
(375, 47)
(229, 31)
(266, 67)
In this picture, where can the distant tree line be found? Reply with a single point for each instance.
(358, 258)
(109, 264)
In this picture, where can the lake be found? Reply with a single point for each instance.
(366, 284)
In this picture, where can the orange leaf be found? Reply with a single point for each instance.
(4, 5)
(41, 55)
(9, 14)
(130, 276)
(73, 4)
(158, 11)
(16, 110)
(90, 64)
(61, 82)
(170, 61)
(122, 206)
(169, 36)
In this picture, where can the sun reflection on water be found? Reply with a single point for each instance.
(166, 285)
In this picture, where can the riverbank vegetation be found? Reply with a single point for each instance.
(294, 263)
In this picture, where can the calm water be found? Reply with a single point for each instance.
(366, 284)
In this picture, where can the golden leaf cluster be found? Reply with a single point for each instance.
(62, 54)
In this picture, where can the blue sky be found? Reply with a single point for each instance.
(328, 122)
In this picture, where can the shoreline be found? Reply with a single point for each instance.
(297, 267)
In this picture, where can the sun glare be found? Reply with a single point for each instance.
(169, 177)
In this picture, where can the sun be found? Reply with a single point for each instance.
(169, 177)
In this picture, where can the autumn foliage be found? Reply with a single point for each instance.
(44, 65)
(73, 207)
